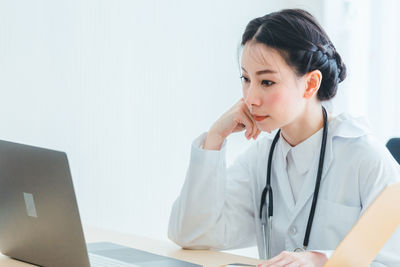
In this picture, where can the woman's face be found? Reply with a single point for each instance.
(271, 88)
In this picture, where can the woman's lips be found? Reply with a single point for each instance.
(259, 118)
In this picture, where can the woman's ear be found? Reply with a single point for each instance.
(313, 82)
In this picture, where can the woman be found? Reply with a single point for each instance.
(289, 66)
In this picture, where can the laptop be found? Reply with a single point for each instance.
(39, 217)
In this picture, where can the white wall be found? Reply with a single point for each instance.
(123, 87)
(367, 35)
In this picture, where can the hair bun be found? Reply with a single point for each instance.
(342, 70)
(325, 49)
(330, 51)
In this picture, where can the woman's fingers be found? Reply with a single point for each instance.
(257, 134)
(282, 259)
(293, 264)
(236, 119)
(283, 262)
(295, 259)
(243, 119)
(248, 114)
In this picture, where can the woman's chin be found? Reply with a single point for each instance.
(265, 128)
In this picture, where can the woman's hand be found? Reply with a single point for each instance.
(236, 119)
(296, 259)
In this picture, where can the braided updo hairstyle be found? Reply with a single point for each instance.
(303, 44)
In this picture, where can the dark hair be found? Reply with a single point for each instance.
(302, 43)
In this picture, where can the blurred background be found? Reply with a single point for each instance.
(124, 86)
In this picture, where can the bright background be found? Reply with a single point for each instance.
(124, 86)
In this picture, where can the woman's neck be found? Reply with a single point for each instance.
(304, 126)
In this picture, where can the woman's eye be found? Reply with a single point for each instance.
(267, 83)
(244, 79)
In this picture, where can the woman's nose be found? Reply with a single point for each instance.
(252, 97)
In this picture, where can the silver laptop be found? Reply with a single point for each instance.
(39, 217)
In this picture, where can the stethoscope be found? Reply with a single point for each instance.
(268, 190)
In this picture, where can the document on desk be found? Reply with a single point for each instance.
(371, 232)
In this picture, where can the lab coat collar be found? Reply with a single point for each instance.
(347, 126)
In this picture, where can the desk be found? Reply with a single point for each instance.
(206, 258)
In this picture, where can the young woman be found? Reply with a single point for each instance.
(296, 194)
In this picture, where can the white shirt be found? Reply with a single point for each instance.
(298, 159)
(218, 207)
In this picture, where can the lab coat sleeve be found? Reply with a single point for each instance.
(215, 207)
(378, 170)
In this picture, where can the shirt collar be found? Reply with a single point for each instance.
(304, 153)
(343, 125)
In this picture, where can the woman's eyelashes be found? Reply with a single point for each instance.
(267, 82)
(244, 79)
(263, 82)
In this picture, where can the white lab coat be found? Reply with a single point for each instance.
(218, 207)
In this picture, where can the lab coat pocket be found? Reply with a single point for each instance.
(334, 221)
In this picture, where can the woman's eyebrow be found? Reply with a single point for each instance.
(262, 71)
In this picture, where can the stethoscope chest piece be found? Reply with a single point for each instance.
(299, 250)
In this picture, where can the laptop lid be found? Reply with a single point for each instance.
(39, 217)
(370, 233)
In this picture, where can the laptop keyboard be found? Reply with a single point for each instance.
(101, 261)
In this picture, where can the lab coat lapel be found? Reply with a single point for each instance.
(281, 177)
(344, 126)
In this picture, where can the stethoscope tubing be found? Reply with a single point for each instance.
(268, 191)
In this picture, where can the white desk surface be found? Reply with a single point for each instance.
(206, 258)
